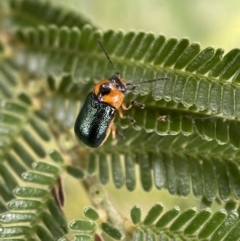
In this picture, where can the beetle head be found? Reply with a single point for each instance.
(118, 82)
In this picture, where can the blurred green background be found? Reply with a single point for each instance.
(210, 22)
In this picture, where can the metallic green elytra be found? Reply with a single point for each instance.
(93, 122)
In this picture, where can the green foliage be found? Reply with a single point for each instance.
(189, 224)
(186, 139)
(33, 205)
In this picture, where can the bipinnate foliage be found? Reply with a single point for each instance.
(185, 140)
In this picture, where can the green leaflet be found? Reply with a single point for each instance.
(91, 213)
(136, 215)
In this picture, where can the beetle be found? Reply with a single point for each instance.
(95, 120)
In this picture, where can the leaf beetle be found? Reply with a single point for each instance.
(95, 120)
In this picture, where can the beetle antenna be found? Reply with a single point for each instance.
(134, 85)
(109, 60)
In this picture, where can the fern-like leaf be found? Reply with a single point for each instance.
(43, 12)
(34, 204)
(188, 225)
(186, 140)
(181, 115)
(191, 94)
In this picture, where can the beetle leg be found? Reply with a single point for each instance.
(113, 129)
(125, 116)
(116, 134)
(133, 102)
(140, 105)
(130, 118)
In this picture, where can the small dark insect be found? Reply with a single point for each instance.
(95, 120)
(163, 118)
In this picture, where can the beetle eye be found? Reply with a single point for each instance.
(104, 89)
